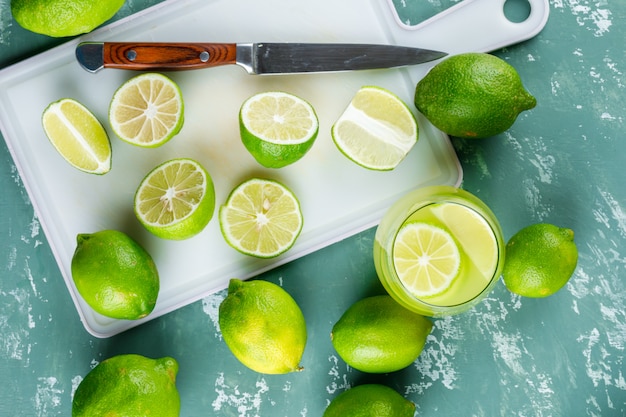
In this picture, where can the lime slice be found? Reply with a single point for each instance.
(426, 259)
(277, 128)
(78, 136)
(377, 129)
(261, 218)
(147, 110)
(473, 234)
(175, 200)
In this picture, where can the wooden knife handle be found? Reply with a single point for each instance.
(167, 56)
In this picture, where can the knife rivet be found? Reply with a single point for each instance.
(204, 56)
(131, 55)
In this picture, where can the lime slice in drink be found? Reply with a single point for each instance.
(176, 199)
(377, 129)
(147, 110)
(277, 128)
(472, 233)
(78, 136)
(261, 218)
(426, 259)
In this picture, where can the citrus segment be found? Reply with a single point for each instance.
(176, 200)
(426, 259)
(261, 218)
(376, 130)
(277, 128)
(78, 136)
(147, 110)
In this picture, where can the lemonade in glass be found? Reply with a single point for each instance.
(439, 250)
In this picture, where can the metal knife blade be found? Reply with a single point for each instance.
(256, 58)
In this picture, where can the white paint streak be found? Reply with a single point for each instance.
(436, 362)
(339, 380)
(590, 14)
(246, 403)
(617, 213)
(47, 397)
(75, 383)
(210, 306)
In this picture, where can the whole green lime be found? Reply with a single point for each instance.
(59, 18)
(378, 335)
(472, 95)
(370, 400)
(115, 275)
(263, 326)
(540, 259)
(130, 386)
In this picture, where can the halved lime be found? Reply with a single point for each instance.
(377, 129)
(277, 128)
(261, 218)
(426, 259)
(78, 136)
(176, 199)
(147, 110)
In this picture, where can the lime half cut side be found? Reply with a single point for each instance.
(147, 110)
(377, 130)
(277, 128)
(261, 218)
(78, 136)
(176, 200)
(426, 259)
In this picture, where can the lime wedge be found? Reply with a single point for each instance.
(426, 259)
(261, 218)
(78, 136)
(277, 128)
(377, 129)
(147, 110)
(176, 199)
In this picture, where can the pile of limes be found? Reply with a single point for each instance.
(469, 95)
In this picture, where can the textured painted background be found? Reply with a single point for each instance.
(563, 163)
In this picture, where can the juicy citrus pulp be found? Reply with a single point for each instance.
(277, 128)
(378, 335)
(147, 110)
(263, 326)
(131, 386)
(115, 275)
(376, 130)
(261, 218)
(472, 95)
(59, 18)
(473, 235)
(426, 258)
(370, 400)
(176, 200)
(78, 136)
(540, 260)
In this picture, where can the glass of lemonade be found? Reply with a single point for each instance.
(439, 250)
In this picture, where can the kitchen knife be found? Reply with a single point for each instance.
(256, 58)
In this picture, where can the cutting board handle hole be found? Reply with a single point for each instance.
(517, 11)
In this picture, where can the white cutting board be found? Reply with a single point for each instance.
(338, 197)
